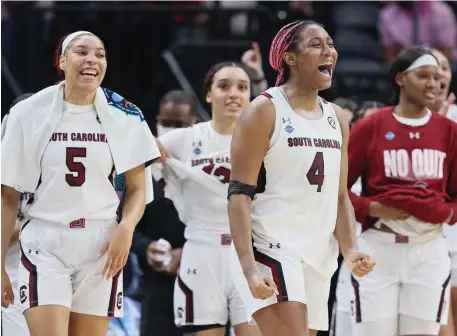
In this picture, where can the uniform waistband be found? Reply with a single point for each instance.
(212, 238)
(81, 223)
(395, 238)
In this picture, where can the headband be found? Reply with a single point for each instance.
(424, 60)
(71, 37)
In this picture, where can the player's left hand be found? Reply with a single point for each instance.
(359, 263)
(116, 250)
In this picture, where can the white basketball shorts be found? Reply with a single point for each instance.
(341, 319)
(409, 286)
(205, 294)
(13, 322)
(454, 269)
(450, 232)
(295, 280)
(60, 265)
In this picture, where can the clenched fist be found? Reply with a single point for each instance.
(262, 286)
(359, 263)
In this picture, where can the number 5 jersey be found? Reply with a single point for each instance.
(77, 168)
(297, 195)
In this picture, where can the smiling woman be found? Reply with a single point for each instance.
(81, 60)
(76, 135)
(289, 157)
(205, 149)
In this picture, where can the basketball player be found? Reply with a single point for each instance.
(205, 296)
(290, 143)
(444, 104)
(72, 248)
(407, 158)
(13, 322)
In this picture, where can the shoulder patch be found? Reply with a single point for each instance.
(122, 104)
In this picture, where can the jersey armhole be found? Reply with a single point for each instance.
(275, 135)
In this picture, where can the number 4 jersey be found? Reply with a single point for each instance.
(296, 204)
(76, 171)
(202, 148)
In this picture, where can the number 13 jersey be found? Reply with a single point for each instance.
(76, 171)
(202, 148)
(295, 208)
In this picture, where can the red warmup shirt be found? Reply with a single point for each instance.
(412, 168)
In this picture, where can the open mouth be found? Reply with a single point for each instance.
(325, 69)
(89, 72)
(443, 86)
(233, 105)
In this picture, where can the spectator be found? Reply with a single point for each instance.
(177, 109)
(365, 109)
(252, 58)
(160, 221)
(348, 106)
(436, 27)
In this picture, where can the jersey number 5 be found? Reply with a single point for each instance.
(77, 175)
(315, 173)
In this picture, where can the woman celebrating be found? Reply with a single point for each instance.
(205, 296)
(63, 144)
(289, 150)
(407, 158)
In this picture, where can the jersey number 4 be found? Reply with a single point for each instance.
(315, 173)
(77, 175)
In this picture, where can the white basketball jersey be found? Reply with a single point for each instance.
(202, 148)
(77, 167)
(298, 205)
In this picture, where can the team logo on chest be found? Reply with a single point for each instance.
(332, 122)
(196, 145)
(289, 128)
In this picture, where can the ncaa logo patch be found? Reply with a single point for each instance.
(390, 135)
(196, 145)
(289, 129)
(332, 122)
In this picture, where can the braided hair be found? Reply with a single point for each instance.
(286, 40)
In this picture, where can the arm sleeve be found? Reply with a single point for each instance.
(175, 141)
(358, 148)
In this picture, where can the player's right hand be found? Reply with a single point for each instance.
(262, 286)
(164, 154)
(381, 211)
(7, 290)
